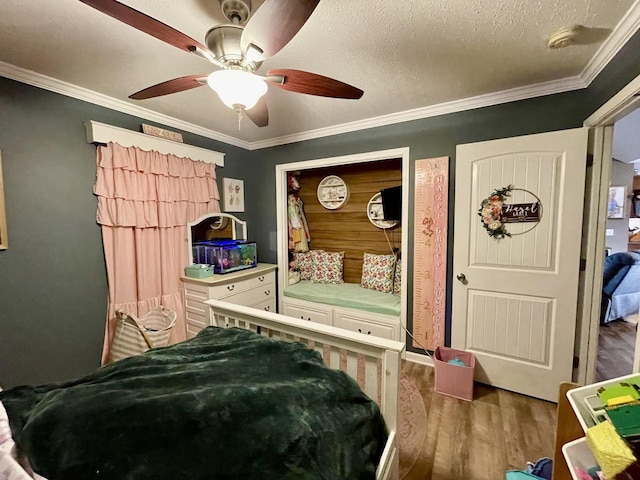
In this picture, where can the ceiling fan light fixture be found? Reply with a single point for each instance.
(237, 87)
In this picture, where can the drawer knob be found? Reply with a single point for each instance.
(231, 288)
(261, 278)
(267, 308)
(267, 292)
(368, 333)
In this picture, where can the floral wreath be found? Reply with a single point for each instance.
(491, 212)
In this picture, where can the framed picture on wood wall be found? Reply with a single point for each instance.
(615, 205)
(4, 240)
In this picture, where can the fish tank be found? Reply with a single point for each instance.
(220, 240)
(226, 255)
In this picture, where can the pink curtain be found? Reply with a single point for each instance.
(145, 199)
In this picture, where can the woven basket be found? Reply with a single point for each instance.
(134, 336)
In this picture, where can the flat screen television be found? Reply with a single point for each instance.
(392, 203)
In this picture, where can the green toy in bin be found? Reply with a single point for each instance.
(454, 372)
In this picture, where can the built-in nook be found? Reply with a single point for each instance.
(347, 229)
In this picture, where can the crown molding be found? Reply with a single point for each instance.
(626, 28)
(53, 85)
(486, 100)
(520, 93)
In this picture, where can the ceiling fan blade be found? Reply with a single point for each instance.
(274, 24)
(171, 86)
(259, 114)
(151, 26)
(312, 84)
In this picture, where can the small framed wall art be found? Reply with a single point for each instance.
(233, 195)
(615, 205)
(4, 241)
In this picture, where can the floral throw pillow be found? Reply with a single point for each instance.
(377, 272)
(327, 267)
(303, 262)
(397, 278)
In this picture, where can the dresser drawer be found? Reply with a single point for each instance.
(311, 314)
(231, 288)
(260, 293)
(198, 320)
(364, 327)
(198, 294)
(192, 331)
(266, 305)
(196, 305)
(261, 280)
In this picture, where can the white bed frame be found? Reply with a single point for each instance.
(373, 362)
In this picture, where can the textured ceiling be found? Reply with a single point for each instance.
(404, 54)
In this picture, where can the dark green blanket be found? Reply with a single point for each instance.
(228, 404)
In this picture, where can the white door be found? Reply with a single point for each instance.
(514, 299)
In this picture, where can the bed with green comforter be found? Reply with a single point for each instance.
(227, 404)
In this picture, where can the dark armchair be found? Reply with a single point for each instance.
(621, 286)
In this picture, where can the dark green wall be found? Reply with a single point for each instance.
(53, 287)
(52, 278)
(438, 136)
(433, 137)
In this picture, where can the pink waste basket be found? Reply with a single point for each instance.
(454, 380)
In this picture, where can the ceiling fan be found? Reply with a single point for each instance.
(238, 52)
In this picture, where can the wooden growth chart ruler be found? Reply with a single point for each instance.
(430, 251)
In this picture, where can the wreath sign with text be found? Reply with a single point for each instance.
(491, 212)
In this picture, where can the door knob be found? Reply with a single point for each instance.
(461, 278)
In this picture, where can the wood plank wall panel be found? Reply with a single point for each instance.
(348, 229)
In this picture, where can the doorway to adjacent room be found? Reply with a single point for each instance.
(621, 276)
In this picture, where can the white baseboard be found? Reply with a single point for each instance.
(418, 358)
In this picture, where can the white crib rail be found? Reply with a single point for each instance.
(373, 362)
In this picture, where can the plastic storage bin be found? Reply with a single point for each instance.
(454, 380)
(577, 398)
(198, 271)
(578, 454)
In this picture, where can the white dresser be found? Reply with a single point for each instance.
(253, 287)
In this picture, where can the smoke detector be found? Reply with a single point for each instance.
(564, 37)
(236, 11)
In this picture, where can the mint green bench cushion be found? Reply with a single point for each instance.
(349, 295)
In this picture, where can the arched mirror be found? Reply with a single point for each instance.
(218, 226)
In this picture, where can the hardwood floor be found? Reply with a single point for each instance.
(616, 347)
(480, 440)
